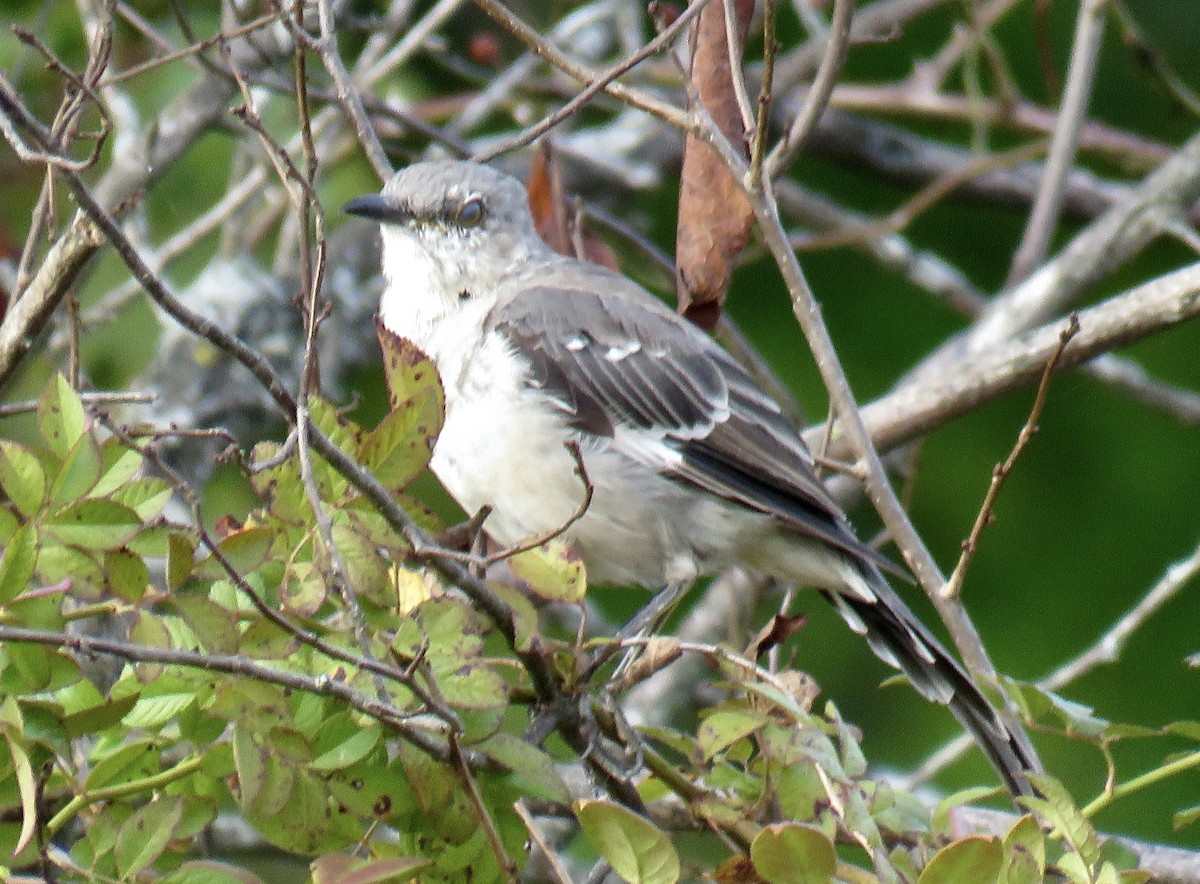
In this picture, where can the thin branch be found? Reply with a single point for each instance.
(561, 876)
(953, 585)
(970, 378)
(808, 314)
(589, 491)
(9, 409)
(1107, 648)
(1043, 220)
(421, 737)
(1024, 116)
(1174, 767)
(459, 762)
(347, 92)
(925, 199)
(820, 91)
(599, 83)
(537, 44)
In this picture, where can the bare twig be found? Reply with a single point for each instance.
(599, 83)
(9, 409)
(1107, 648)
(459, 762)
(347, 92)
(561, 876)
(953, 585)
(1043, 219)
(820, 91)
(531, 38)
(397, 720)
(972, 378)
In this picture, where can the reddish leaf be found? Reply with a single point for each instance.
(556, 219)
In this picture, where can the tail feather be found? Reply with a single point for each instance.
(898, 638)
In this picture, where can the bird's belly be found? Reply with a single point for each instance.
(510, 452)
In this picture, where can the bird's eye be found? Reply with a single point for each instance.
(471, 213)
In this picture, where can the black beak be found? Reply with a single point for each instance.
(374, 205)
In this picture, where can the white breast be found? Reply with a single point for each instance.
(503, 445)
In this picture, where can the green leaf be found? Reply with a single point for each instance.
(245, 550)
(1057, 808)
(349, 751)
(473, 687)
(22, 478)
(94, 524)
(973, 860)
(214, 625)
(57, 563)
(181, 559)
(525, 615)
(532, 765)
(1024, 853)
(118, 465)
(145, 834)
(149, 630)
(96, 717)
(725, 727)
(941, 814)
(127, 762)
(147, 496)
(61, 417)
(1185, 818)
(791, 853)
(152, 712)
(446, 631)
(20, 559)
(79, 473)
(12, 726)
(399, 448)
(552, 571)
(126, 574)
(636, 849)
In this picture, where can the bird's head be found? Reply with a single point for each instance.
(449, 225)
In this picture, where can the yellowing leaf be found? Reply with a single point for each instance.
(637, 850)
(791, 853)
(973, 860)
(552, 572)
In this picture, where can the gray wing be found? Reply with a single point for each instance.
(626, 361)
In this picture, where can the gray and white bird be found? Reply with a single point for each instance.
(693, 467)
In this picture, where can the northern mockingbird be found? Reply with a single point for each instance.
(694, 468)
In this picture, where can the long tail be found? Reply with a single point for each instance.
(899, 639)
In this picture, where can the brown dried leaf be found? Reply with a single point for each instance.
(715, 218)
(779, 629)
(555, 219)
(546, 200)
(660, 652)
